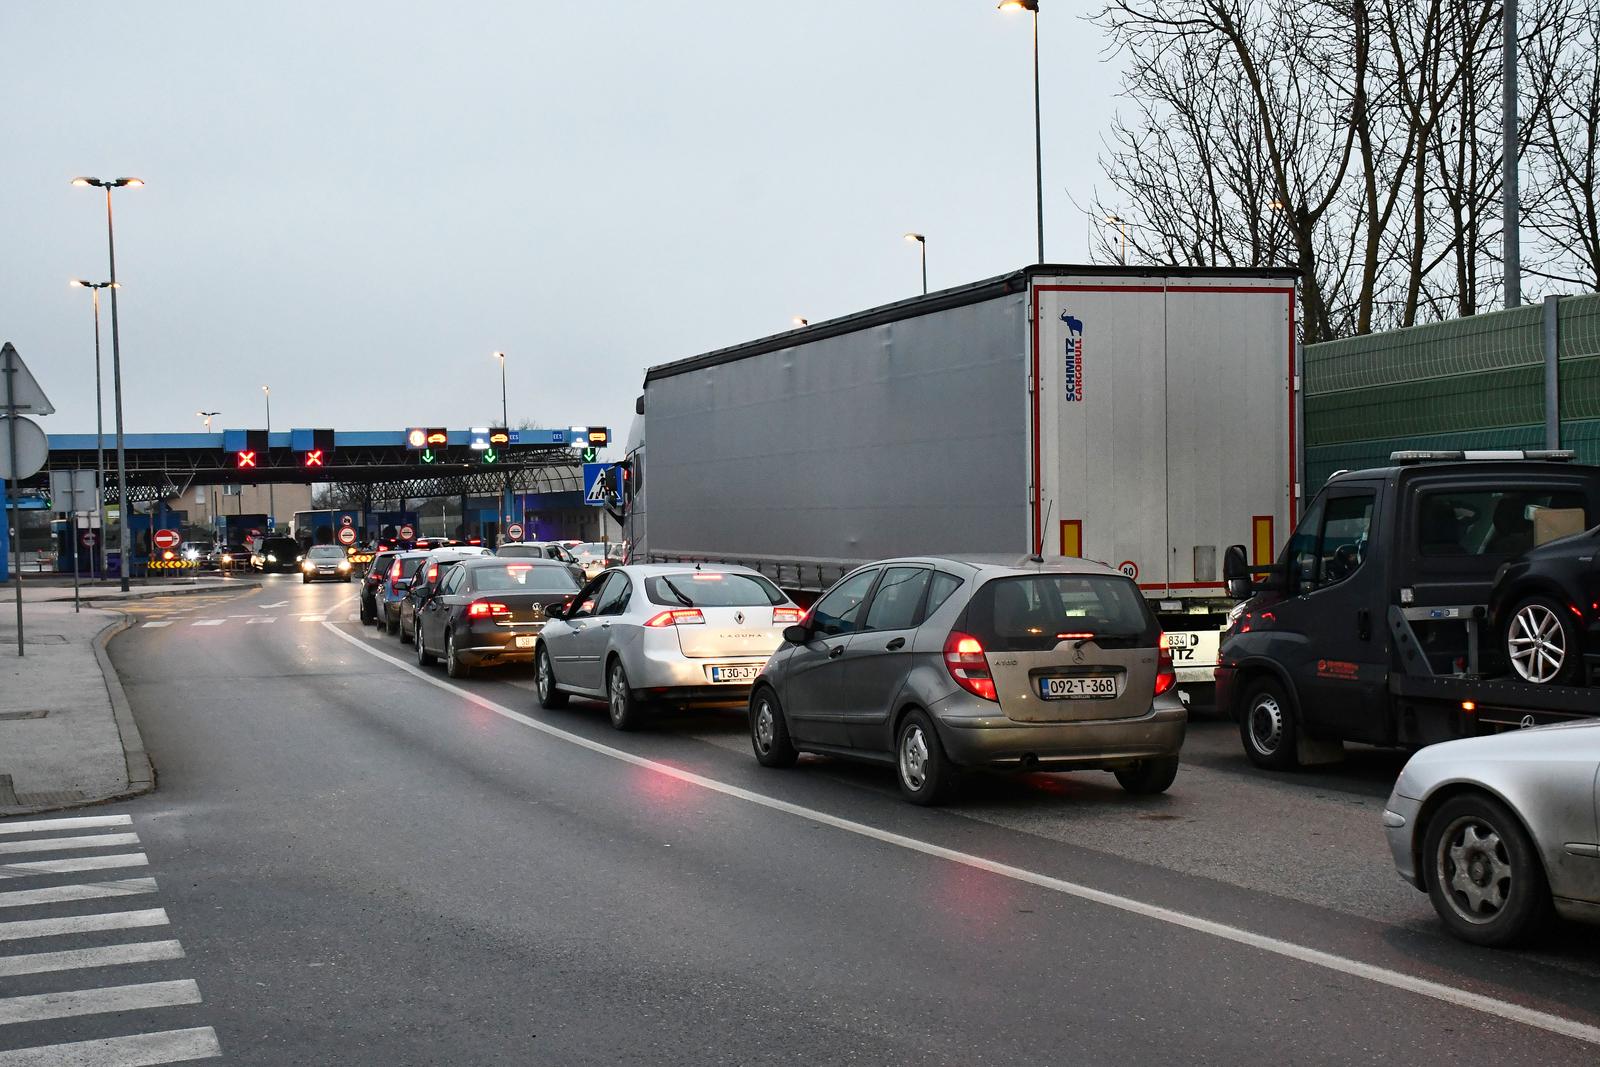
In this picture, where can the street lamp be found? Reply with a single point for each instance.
(922, 243)
(109, 184)
(1038, 138)
(272, 500)
(211, 493)
(99, 420)
(1122, 232)
(505, 424)
(799, 322)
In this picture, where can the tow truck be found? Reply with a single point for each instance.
(1375, 625)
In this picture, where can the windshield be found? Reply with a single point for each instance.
(281, 546)
(591, 550)
(326, 552)
(712, 589)
(522, 577)
(1036, 612)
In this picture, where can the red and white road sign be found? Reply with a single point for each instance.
(514, 531)
(407, 533)
(346, 520)
(165, 539)
(347, 535)
(1130, 568)
(88, 538)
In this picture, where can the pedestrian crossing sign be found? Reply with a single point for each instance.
(601, 486)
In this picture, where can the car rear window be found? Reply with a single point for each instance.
(408, 565)
(522, 577)
(1034, 612)
(711, 589)
(518, 551)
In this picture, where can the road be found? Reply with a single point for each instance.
(358, 861)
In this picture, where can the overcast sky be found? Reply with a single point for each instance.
(358, 203)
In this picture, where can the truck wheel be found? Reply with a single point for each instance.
(926, 774)
(1542, 642)
(1483, 872)
(1268, 727)
(769, 732)
(1148, 776)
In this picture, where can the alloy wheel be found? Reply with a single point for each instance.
(618, 690)
(914, 758)
(1537, 643)
(1474, 869)
(542, 676)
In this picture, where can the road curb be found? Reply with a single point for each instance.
(141, 772)
(108, 603)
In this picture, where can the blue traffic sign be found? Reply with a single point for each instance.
(601, 486)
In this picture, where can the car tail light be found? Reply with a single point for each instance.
(433, 573)
(964, 659)
(484, 609)
(676, 617)
(786, 616)
(394, 579)
(1166, 677)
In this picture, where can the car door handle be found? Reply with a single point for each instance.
(896, 645)
(1364, 624)
(836, 651)
(605, 626)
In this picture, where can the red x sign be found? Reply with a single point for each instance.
(314, 458)
(245, 459)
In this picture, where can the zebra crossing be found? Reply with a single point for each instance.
(87, 959)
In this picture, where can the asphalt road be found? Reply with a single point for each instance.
(366, 863)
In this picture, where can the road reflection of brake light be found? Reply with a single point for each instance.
(676, 617)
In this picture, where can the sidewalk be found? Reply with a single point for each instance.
(67, 736)
(40, 591)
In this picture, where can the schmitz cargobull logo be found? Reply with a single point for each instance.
(1072, 365)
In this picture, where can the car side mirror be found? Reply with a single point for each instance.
(557, 611)
(796, 634)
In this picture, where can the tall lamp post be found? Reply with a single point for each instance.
(211, 492)
(1508, 142)
(1038, 137)
(272, 501)
(1122, 236)
(99, 421)
(109, 184)
(922, 244)
(506, 424)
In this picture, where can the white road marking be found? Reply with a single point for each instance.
(353, 617)
(154, 625)
(311, 618)
(139, 1050)
(56, 894)
(62, 844)
(1383, 976)
(279, 604)
(81, 924)
(82, 863)
(269, 618)
(208, 622)
(98, 1001)
(83, 822)
(77, 958)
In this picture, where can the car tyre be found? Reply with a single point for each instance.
(390, 626)
(454, 665)
(925, 773)
(626, 710)
(551, 698)
(405, 635)
(1483, 872)
(1269, 727)
(305, 579)
(424, 657)
(1542, 642)
(1149, 776)
(769, 731)
(369, 614)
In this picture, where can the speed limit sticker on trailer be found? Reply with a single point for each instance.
(1193, 648)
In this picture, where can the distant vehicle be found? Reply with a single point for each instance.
(232, 556)
(391, 591)
(638, 636)
(377, 572)
(543, 550)
(325, 563)
(1499, 831)
(591, 556)
(932, 665)
(280, 554)
(195, 552)
(1541, 637)
(426, 582)
(488, 612)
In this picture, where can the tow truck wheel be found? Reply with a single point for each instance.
(1268, 727)
(1542, 642)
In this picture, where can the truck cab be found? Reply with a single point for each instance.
(1378, 623)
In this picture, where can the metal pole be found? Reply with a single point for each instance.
(12, 481)
(1508, 135)
(1552, 372)
(116, 384)
(924, 244)
(1038, 136)
(99, 442)
(272, 498)
(505, 423)
(77, 553)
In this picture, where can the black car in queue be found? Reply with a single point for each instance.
(377, 571)
(490, 611)
(426, 581)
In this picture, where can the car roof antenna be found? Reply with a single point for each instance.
(1038, 552)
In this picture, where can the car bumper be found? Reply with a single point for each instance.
(326, 576)
(1400, 827)
(669, 675)
(490, 643)
(974, 734)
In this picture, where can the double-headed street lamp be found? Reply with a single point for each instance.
(272, 501)
(922, 243)
(212, 493)
(109, 184)
(99, 419)
(505, 423)
(1038, 138)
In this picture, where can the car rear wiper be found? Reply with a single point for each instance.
(685, 601)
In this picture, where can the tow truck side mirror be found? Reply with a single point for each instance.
(1236, 572)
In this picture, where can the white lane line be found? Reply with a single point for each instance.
(138, 1050)
(73, 959)
(268, 618)
(311, 618)
(353, 617)
(98, 1001)
(83, 822)
(337, 604)
(1542, 1020)
(18, 929)
(279, 604)
(58, 894)
(62, 844)
(154, 625)
(208, 622)
(81, 863)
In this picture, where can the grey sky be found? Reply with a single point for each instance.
(358, 203)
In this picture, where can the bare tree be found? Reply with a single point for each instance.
(1562, 155)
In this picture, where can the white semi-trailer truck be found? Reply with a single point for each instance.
(1145, 418)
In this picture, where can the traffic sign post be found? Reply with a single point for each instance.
(165, 539)
(406, 532)
(601, 486)
(347, 536)
(514, 531)
(18, 461)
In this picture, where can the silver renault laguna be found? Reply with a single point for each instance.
(661, 633)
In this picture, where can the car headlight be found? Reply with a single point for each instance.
(308, 566)
(344, 564)
(227, 558)
(271, 558)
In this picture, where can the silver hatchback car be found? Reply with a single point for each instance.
(661, 633)
(936, 664)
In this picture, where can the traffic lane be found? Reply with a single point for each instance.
(528, 884)
(1043, 821)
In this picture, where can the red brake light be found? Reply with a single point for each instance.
(483, 609)
(788, 616)
(676, 617)
(967, 664)
(433, 572)
(1166, 677)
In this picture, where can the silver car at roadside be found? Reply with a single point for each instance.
(661, 633)
(1502, 830)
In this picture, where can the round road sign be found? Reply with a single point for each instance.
(346, 520)
(165, 539)
(514, 531)
(407, 533)
(347, 535)
(1130, 568)
(32, 448)
(88, 538)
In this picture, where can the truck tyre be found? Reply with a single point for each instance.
(925, 773)
(769, 731)
(1148, 776)
(1268, 727)
(550, 698)
(1483, 872)
(1542, 642)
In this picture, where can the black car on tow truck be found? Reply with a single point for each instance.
(1386, 619)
